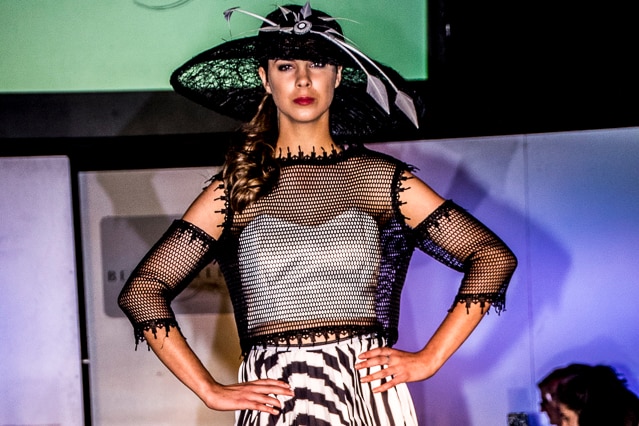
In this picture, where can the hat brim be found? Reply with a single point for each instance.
(225, 80)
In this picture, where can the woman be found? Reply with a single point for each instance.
(597, 396)
(313, 236)
(548, 389)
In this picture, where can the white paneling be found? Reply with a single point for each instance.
(40, 361)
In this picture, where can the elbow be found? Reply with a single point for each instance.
(512, 261)
(122, 302)
(507, 264)
(125, 299)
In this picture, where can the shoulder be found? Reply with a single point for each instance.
(208, 210)
(370, 156)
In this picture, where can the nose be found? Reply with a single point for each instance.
(303, 78)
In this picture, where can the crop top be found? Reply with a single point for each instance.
(322, 256)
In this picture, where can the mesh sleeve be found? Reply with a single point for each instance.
(171, 264)
(455, 238)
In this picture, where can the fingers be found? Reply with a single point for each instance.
(270, 387)
(382, 379)
(271, 382)
(264, 403)
(267, 392)
(383, 365)
(261, 395)
(378, 356)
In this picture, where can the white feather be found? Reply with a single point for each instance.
(376, 89)
(406, 105)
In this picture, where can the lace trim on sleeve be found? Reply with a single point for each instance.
(153, 326)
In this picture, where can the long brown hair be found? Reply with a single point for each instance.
(251, 170)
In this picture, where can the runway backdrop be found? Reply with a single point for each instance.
(567, 204)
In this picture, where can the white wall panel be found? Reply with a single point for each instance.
(40, 361)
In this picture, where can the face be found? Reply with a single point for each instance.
(549, 407)
(568, 417)
(302, 90)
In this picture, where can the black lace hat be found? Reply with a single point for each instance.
(371, 98)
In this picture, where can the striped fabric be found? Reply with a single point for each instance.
(327, 388)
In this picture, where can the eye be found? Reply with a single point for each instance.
(318, 64)
(284, 66)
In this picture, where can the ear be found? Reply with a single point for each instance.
(338, 77)
(262, 72)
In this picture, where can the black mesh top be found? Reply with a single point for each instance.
(324, 255)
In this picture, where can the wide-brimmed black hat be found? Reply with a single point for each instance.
(371, 98)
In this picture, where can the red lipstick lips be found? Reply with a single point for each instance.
(304, 100)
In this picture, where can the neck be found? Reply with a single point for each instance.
(305, 137)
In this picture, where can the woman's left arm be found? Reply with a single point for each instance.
(457, 239)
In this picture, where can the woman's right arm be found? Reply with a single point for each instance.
(172, 263)
(175, 353)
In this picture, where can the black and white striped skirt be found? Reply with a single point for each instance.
(327, 388)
